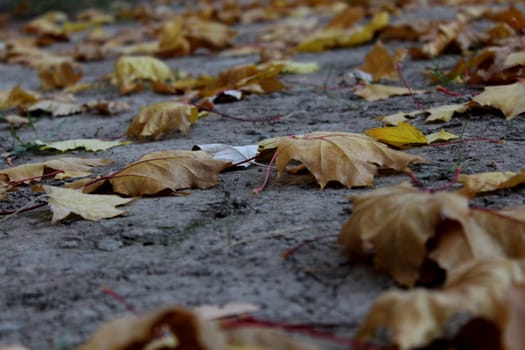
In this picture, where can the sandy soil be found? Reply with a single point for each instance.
(223, 244)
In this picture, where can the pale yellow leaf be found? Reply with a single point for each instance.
(397, 118)
(131, 71)
(293, 67)
(93, 145)
(55, 108)
(445, 113)
(441, 135)
(63, 202)
(485, 182)
(376, 92)
(403, 135)
(510, 99)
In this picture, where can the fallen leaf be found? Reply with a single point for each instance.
(17, 121)
(31, 170)
(510, 99)
(18, 98)
(167, 170)
(55, 108)
(491, 181)
(233, 154)
(380, 64)
(64, 201)
(396, 223)
(293, 67)
(445, 113)
(351, 159)
(131, 71)
(3, 186)
(158, 119)
(397, 118)
(106, 107)
(512, 318)
(214, 312)
(59, 72)
(376, 92)
(403, 135)
(441, 135)
(92, 145)
(416, 317)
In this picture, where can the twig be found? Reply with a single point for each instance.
(398, 66)
(120, 299)
(267, 176)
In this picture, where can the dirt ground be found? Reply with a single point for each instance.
(222, 244)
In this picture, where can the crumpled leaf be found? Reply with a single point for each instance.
(166, 170)
(510, 99)
(64, 201)
(87, 144)
(59, 72)
(441, 135)
(403, 135)
(376, 92)
(416, 317)
(131, 71)
(55, 108)
(158, 119)
(491, 181)
(396, 223)
(380, 64)
(29, 170)
(233, 154)
(351, 159)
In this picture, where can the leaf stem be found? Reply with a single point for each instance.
(267, 176)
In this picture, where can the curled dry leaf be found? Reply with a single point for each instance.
(401, 136)
(510, 99)
(485, 182)
(444, 113)
(416, 317)
(351, 159)
(30, 170)
(376, 92)
(59, 72)
(64, 201)
(167, 170)
(160, 118)
(55, 108)
(93, 145)
(131, 71)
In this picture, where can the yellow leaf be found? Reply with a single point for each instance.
(160, 118)
(59, 72)
(441, 135)
(63, 202)
(491, 181)
(293, 67)
(18, 98)
(351, 159)
(397, 118)
(130, 71)
(510, 99)
(416, 317)
(445, 113)
(88, 144)
(403, 135)
(376, 92)
(171, 39)
(166, 170)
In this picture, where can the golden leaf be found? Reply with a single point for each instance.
(380, 64)
(510, 99)
(171, 39)
(167, 170)
(130, 71)
(209, 34)
(59, 72)
(403, 135)
(18, 98)
(441, 135)
(160, 118)
(30, 170)
(351, 159)
(396, 222)
(64, 201)
(376, 92)
(416, 317)
(87, 144)
(491, 181)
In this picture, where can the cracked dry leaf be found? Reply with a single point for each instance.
(509, 99)
(59, 72)
(160, 118)
(377, 92)
(131, 71)
(491, 181)
(94, 207)
(348, 158)
(167, 170)
(72, 164)
(380, 64)
(396, 223)
(401, 136)
(416, 317)
(92, 145)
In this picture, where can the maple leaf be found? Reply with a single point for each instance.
(31, 170)
(441, 135)
(376, 92)
(380, 64)
(59, 72)
(510, 99)
(166, 170)
(64, 201)
(131, 71)
(403, 135)
(351, 159)
(160, 118)
(414, 318)
(93, 145)
(444, 113)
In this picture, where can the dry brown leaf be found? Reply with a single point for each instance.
(106, 107)
(30, 170)
(132, 71)
(3, 186)
(414, 318)
(395, 224)
(48, 27)
(208, 34)
(18, 98)
(380, 64)
(166, 170)
(55, 108)
(161, 118)
(509, 99)
(486, 182)
(17, 121)
(171, 39)
(351, 159)
(511, 320)
(59, 72)
(377, 92)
